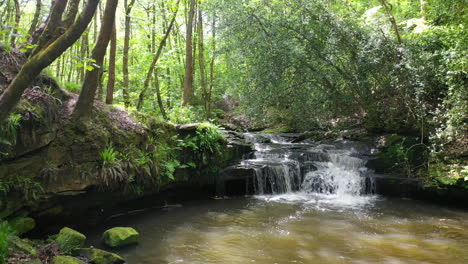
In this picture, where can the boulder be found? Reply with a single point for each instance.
(98, 256)
(69, 239)
(22, 225)
(66, 260)
(120, 236)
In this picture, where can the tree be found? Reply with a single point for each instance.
(389, 10)
(17, 22)
(126, 49)
(212, 70)
(35, 20)
(44, 57)
(112, 56)
(189, 93)
(156, 58)
(84, 105)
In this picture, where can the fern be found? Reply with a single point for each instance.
(8, 133)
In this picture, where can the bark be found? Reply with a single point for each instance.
(35, 20)
(201, 59)
(84, 105)
(158, 95)
(33, 67)
(189, 93)
(111, 78)
(424, 10)
(212, 64)
(17, 22)
(5, 21)
(71, 14)
(53, 20)
(388, 9)
(155, 60)
(83, 56)
(126, 49)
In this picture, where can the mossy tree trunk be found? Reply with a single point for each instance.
(43, 58)
(84, 105)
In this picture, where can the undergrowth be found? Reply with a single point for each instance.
(27, 187)
(5, 233)
(8, 134)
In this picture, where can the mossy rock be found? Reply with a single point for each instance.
(22, 245)
(66, 260)
(98, 256)
(22, 225)
(69, 239)
(32, 261)
(120, 236)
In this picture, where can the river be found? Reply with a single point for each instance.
(314, 203)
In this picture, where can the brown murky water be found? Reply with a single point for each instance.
(300, 228)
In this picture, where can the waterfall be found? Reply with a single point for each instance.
(282, 167)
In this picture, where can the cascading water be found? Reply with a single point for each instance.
(283, 167)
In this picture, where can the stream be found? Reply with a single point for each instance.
(313, 203)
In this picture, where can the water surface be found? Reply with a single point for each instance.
(300, 229)
(314, 204)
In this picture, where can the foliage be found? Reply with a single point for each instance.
(111, 171)
(27, 187)
(108, 156)
(208, 139)
(5, 233)
(453, 174)
(8, 134)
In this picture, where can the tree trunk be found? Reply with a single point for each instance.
(201, 60)
(84, 106)
(83, 56)
(424, 10)
(111, 79)
(158, 95)
(155, 60)
(35, 20)
(189, 93)
(212, 64)
(126, 48)
(48, 34)
(388, 8)
(17, 22)
(42, 59)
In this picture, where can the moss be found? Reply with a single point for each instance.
(69, 239)
(22, 245)
(120, 236)
(98, 256)
(66, 260)
(22, 225)
(280, 129)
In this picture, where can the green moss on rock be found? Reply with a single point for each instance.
(22, 225)
(98, 256)
(69, 239)
(21, 245)
(66, 260)
(120, 236)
